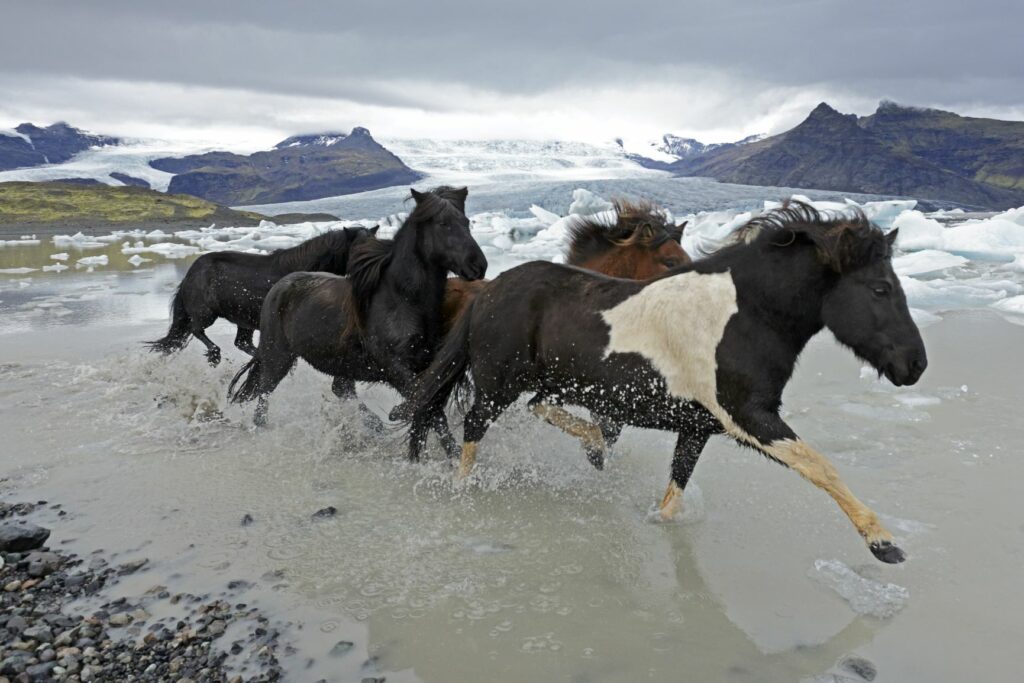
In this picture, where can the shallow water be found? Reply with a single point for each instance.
(539, 568)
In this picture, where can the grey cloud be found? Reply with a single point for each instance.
(340, 48)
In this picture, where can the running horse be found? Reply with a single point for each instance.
(382, 323)
(705, 349)
(641, 244)
(232, 285)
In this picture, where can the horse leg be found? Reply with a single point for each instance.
(588, 433)
(484, 411)
(243, 340)
(688, 448)
(444, 433)
(610, 429)
(345, 389)
(768, 433)
(212, 350)
(272, 369)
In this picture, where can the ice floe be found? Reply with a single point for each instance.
(865, 596)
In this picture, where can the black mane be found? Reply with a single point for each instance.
(590, 237)
(316, 253)
(845, 240)
(367, 262)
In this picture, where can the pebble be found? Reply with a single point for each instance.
(247, 519)
(325, 513)
(860, 667)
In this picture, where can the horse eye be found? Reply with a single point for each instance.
(880, 291)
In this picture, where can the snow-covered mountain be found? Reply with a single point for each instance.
(673, 147)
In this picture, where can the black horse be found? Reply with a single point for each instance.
(232, 285)
(380, 324)
(703, 350)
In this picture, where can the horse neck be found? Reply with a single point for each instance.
(614, 264)
(306, 256)
(421, 282)
(784, 289)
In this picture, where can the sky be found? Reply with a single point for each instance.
(246, 73)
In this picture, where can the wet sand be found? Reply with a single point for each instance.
(540, 568)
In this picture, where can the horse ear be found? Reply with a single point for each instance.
(418, 196)
(374, 229)
(460, 197)
(676, 232)
(645, 233)
(891, 237)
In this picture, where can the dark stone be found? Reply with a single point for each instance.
(325, 513)
(342, 647)
(42, 564)
(16, 624)
(861, 667)
(40, 634)
(22, 536)
(247, 519)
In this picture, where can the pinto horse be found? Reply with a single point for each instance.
(640, 245)
(232, 285)
(705, 349)
(380, 324)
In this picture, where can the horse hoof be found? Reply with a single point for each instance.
(400, 413)
(596, 458)
(887, 552)
(213, 357)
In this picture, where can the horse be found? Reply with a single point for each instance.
(641, 244)
(382, 323)
(704, 349)
(232, 285)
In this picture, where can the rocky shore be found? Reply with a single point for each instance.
(58, 621)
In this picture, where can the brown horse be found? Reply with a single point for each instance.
(640, 245)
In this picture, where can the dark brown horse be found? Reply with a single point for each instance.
(232, 285)
(382, 323)
(641, 244)
(705, 349)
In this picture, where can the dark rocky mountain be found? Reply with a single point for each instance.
(54, 144)
(299, 168)
(898, 151)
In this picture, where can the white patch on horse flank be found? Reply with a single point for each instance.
(676, 324)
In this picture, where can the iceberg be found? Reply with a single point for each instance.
(925, 262)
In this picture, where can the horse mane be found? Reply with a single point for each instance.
(368, 260)
(315, 253)
(844, 240)
(640, 223)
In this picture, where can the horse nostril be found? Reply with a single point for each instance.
(919, 365)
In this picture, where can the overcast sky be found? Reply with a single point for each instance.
(248, 72)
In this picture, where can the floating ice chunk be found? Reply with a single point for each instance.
(949, 294)
(914, 400)
(585, 203)
(63, 256)
(94, 260)
(865, 596)
(543, 215)
(927, 261)
(17, 271)
(884, 213)
(55, 268)
(1014, 304)
(1017, 265)
(137, 260)
(1000, 237)
(23, 242)
(917, 232)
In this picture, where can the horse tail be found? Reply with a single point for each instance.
(250, 388)
(447, 372)
(179, 334)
